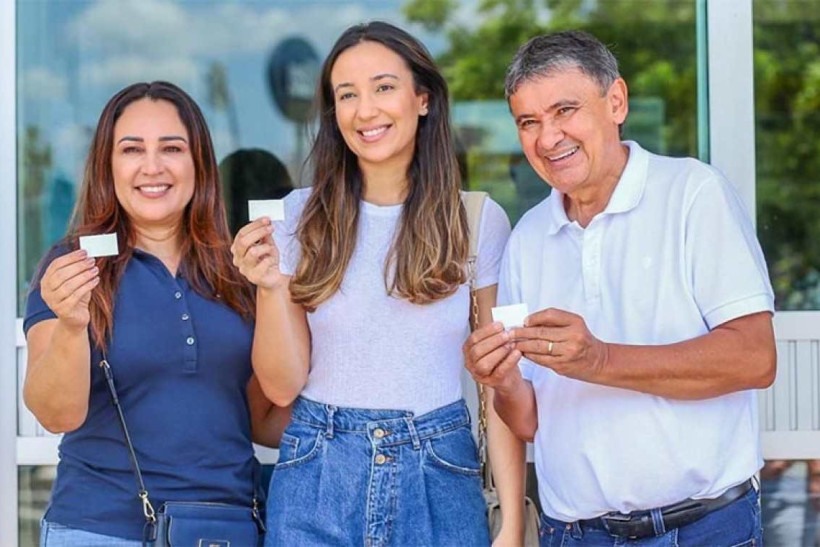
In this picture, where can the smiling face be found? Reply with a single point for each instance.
(569, 131)
(152, 165)
(377, 106)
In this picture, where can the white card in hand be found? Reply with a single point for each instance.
(271, 208)
(511, 316)
(100, 245)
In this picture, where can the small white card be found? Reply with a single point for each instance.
(100, 245)
(271, 208)
(511, 316)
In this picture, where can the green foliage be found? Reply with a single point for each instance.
(655, 42)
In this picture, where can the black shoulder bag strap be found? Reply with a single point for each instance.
(150, 528)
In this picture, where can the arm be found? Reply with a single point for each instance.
(506, 452)
(281, 341)
(58, 375)
(268, 421)
(736, 355)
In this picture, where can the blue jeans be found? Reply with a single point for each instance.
(735, 525)
(350, 476)
(57, 535)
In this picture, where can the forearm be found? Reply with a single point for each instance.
(507, 454)
(281, 346)
(738, 355)
(516, 406)
(58, 375)
(268, 421)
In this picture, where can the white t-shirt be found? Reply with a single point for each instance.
(672, 256)
(372, 350)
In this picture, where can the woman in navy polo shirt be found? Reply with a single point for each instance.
(170, 314)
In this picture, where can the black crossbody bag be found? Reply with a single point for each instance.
(188, 523)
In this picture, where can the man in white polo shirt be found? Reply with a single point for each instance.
(636, 375)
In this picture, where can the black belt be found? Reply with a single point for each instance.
(638, 524)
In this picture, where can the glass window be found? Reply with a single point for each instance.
(251, 65)
(787, 131)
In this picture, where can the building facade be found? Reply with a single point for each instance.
(733, 82)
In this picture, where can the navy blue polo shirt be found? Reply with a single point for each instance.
(181, 363)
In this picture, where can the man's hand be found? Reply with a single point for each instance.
(561, 341)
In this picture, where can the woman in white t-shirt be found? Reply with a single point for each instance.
(363, 304)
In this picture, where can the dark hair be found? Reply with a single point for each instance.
(251, 173)
(206, 257)
(546, 54)
(426, 261)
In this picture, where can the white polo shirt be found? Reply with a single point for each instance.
(673, 255)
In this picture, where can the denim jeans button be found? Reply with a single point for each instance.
(380, 459)
(379, 433)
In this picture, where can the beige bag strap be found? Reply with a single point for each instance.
(474, 203)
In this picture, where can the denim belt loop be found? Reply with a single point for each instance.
(331, 411)
(575, 530)
(657, 522)
(414, 435)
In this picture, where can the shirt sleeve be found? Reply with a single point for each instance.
(285, 231)
(36, 308)
(492, 238)
(728, 272)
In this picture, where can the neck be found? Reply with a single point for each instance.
(385, 187)
(164, 243)
(589, 200)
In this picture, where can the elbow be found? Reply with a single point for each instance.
(280, 396)
(766, 367)
(61, 422)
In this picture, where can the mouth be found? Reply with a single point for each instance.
(373, 133)
(564, 155)
(153, 190)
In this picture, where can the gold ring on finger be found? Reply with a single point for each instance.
(549, 348)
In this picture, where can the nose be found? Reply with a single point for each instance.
(367, 107)
(152, 163)
(550, 135)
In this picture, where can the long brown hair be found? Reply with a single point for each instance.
(427, 260)
(206, 258)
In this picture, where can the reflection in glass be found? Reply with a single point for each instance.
(787, 97)
(34, 483)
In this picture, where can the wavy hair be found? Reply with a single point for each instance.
(206, 258)
(427, 259)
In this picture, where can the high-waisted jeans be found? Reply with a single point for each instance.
(351, 476)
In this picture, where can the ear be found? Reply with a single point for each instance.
(618, 99)
(424, 101)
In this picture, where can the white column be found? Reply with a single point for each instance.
(731, 94)
(8, 279)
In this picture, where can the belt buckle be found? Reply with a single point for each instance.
(628, 525)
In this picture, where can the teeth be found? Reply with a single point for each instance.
(374, 132)
(154, 189)
(564, 155)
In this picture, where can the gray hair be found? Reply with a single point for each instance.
(573, 49)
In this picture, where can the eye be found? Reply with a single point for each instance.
(345, 96)
(173, 148)
(384, 87)
(565, 110)
(526, 124)
(131, 150)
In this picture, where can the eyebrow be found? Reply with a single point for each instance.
(552, 108)
(375, 78)
(161, 139)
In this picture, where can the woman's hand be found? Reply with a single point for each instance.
(255, 254)
(66, 288)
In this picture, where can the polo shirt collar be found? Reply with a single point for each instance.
(627, 194)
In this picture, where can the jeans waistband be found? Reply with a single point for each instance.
(387, 427)
(656, 522)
